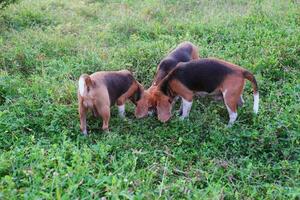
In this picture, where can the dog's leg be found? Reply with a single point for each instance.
(104, 111)
(173, 103)
(241, 101)
(180, 109)
(121, 109)
(186, 97)
(105, 114)
(121, 106)
(122, 99)
(82, 116)
(186, 107)
(230, 101)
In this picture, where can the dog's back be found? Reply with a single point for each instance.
(184, 52)
(116, 83)
(205, 75)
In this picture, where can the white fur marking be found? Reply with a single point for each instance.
(121, 109)
(224, 93)
(81, 86)
(151, 113)
(256, 103)
(84, 132)
(232, 116)
(186, 107)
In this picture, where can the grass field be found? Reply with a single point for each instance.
(46, 45)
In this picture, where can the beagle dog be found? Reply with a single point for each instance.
(207, 75)
(184, 52)
(101, 90)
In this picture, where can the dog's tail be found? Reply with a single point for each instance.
(84, 84)
(251, 78)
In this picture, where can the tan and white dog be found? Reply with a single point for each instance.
(204, 75)
(184, 52)
(101, 90)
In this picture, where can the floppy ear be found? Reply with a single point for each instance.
(163, 110)
(142, 107)
(142, 103)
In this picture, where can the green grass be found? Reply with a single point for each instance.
(46, 45)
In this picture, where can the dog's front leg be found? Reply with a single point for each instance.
(121, 109)
(121, 106)
(186, 108)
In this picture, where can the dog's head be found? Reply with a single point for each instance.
(146, 103)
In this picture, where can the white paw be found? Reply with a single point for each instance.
(84, 132)
(229, 125)
(122, 115)
(182, 117)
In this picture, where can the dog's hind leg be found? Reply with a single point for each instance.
(82, 116)
(231, 105)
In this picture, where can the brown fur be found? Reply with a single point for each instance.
(159, 75)
(147, 100)
(231, 87)
(96, 96)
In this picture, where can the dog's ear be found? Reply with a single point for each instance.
(163, 109)
(163, 106)
(142, 104)
(142, 107)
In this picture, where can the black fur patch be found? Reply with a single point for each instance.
(166, 65)
(136, 96)
(117, 84)
(164, 86)
(183, 54)
(199, 75)
(164, 68)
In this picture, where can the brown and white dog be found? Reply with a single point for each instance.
(184, 52)
(208, 75)
(101, 90)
